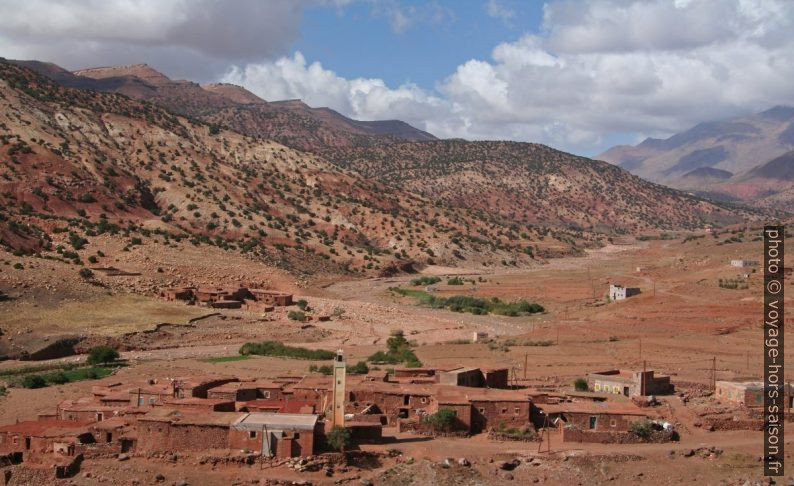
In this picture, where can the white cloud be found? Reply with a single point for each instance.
(599, 68)
(596, 69)
(188, 38)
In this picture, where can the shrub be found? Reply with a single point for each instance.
(425, 281)
(442, 420)
(580, 384)
(86, 274)
(359, 368)
(340, 439)
(302, 304)
(296, 316)
(59, 378)
(102, 355)
(455, 281)
(641, 428)
(33, 381)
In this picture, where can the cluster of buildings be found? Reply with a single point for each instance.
(228, 298)
(289, 416)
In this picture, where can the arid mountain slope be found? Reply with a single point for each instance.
(88, 162)
(531, 184)
(291, 122)
(721, 159)
(736, 145)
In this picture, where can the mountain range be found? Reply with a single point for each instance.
(101, 152)
(745, 159)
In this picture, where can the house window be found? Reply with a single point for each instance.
(518, 410)
(424, 400)
(613, 423)
(152, 400)
(252, 434)
(266, 394)
(482, 410)
(593, 421)
(597, 386)
(504, 410)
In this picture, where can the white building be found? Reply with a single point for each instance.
(744, 263)
(618, 292)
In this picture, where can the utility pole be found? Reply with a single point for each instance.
(642, 381)
(640, 348)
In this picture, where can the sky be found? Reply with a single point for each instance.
(578, 75)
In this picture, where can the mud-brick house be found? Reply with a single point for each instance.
(394, 400)
(234, 391)
(590, 416)
(284, 405)
(198, 386)
(151, 394)
(271, 297)
(629, 383)
(496, 377)
(200, 404)
(279, 435)
(178, 293)
(747, 393)
(464, 376)
(414, 375)
(87, 409)
(164, 429)
(269, 389)
(35, 437)
(492, 408)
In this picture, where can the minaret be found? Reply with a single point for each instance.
(340, 370)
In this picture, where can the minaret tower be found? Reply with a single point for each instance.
(340, 370)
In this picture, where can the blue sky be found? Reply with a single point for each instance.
(578, 75)
(357, 41)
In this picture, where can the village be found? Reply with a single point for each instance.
(602, 376)
(277, 419)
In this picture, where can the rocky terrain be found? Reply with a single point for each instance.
(83, 163)
(531, 184)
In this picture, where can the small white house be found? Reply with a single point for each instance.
(744, 263)
(618, 292)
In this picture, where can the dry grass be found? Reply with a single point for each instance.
(105, 315)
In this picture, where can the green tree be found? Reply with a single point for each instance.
(296, 316)
(580, 384)
(340, 439)
(102, 355)
(302, 304)
(86, 274)
(442, 420)
(359, 368)
(34, 381)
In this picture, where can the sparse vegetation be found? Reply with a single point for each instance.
(102, 355)
(425, 281)
(580, 384)
(399, 351)
(473, 305)
(275, 348)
